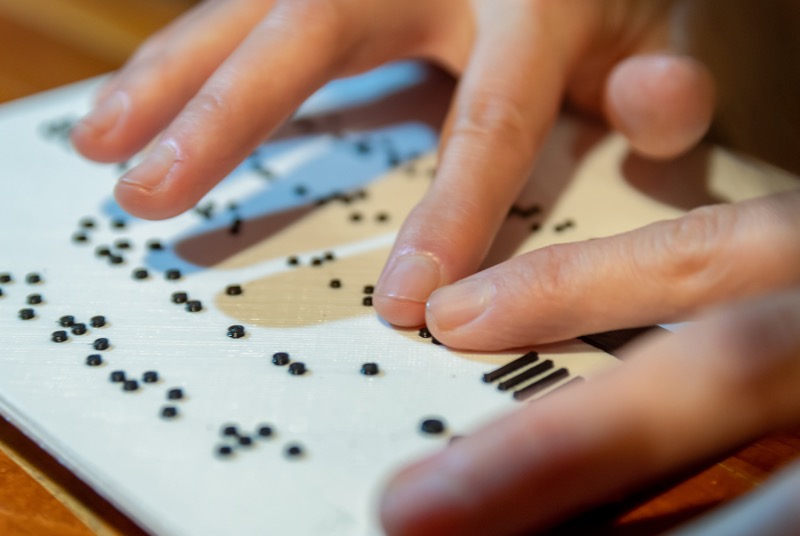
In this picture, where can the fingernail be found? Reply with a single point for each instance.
(456, 305)
(412, 277)
(152, 171)
(105, 114)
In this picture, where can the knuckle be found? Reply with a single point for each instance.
(553, 280)
(492, 116)
(688, 249)
(212, 104)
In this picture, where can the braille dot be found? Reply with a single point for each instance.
(101, 344)
(436, 341)
(280, 358)
(34, 299)
(369, 289)
(94, 360)
(236, 331)
(329, 256)
(150, 376)
(294, 451)
(230, 430)
(265, 430)
(118, 223)
(194, 306)
(1, 292)
(6, 278)
(66, 321)
(535, 227)
(292, 261)
(335, 283)
(102, 251)
(172, 274)
(245, 441)
(122, 244)
(175, 393)
(140, 273)
(179, 297)
(233, 290)
(424, 333)
(169, 412)
(370, 369)
(362, 147)
(297, 369)
(116, 259)
(130, 385)
(80, 237)
(224, 450)
(316, 261)
(432, 426)
(154, 245)
(98, 321)
(236, 227)
(33, 278)
(382, 217)
(87, 223)
(300, 190)
(367, 301)
(361, 194)
(26, 314)
(117, 376)
(79, 329)
(355, 216)
(59, 336)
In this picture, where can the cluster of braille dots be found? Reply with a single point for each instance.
(79, 328)
(425, 333)
(328, 256)
(234, 439)
(33, 278)
(129, 385)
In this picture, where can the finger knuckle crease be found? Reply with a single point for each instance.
(495, 117)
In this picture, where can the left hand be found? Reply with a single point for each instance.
(680, 398)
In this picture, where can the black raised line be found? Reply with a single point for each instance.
(611, 341)
(508, 368)
(532, 372)
(540, 385)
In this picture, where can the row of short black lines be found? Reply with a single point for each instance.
(524, 376)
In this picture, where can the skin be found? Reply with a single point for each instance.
(647, 69)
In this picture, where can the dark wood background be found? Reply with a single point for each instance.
(48, 43)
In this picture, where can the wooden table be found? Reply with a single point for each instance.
(54, 43)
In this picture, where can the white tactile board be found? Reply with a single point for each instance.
(355, 430)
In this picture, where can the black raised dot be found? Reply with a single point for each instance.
(179, 297)
(154, 245)
(59, 336)
(292, 261)
(130, 385)
(34, 299)
(367, 301)
(87, 223)
(101, 344)
(535, 227)
(150, 376)
(79, 328)
(117, 376)
(33, 278)
(80, 237)
(336, 283)
(300, 190)
(382, 217)
(6, 278)
(329, 256)
(436, 341)
(173, 274)
(230, 430)
(233, 290)
(316, 261)
(94, 360)
(236, 226)
(175, 393)
(102, 251)
(169, 412)
(369, 289)
(424, 332)
(118, 223)
(236, 331)
(26, 314)
(122, 243)
(66, 321)
(245, 441)
(265, 430)
(194, 306)
(297, 369)
(140, 274)
(432, 426)
(355, 217)
(224, 450)
(280, 358)
(116, 259)
(98, 321)
(294, 450)
(370, 369)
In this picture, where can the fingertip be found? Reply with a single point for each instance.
(404, 287)
(663, 103)
(95, 135)
(400, 313)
